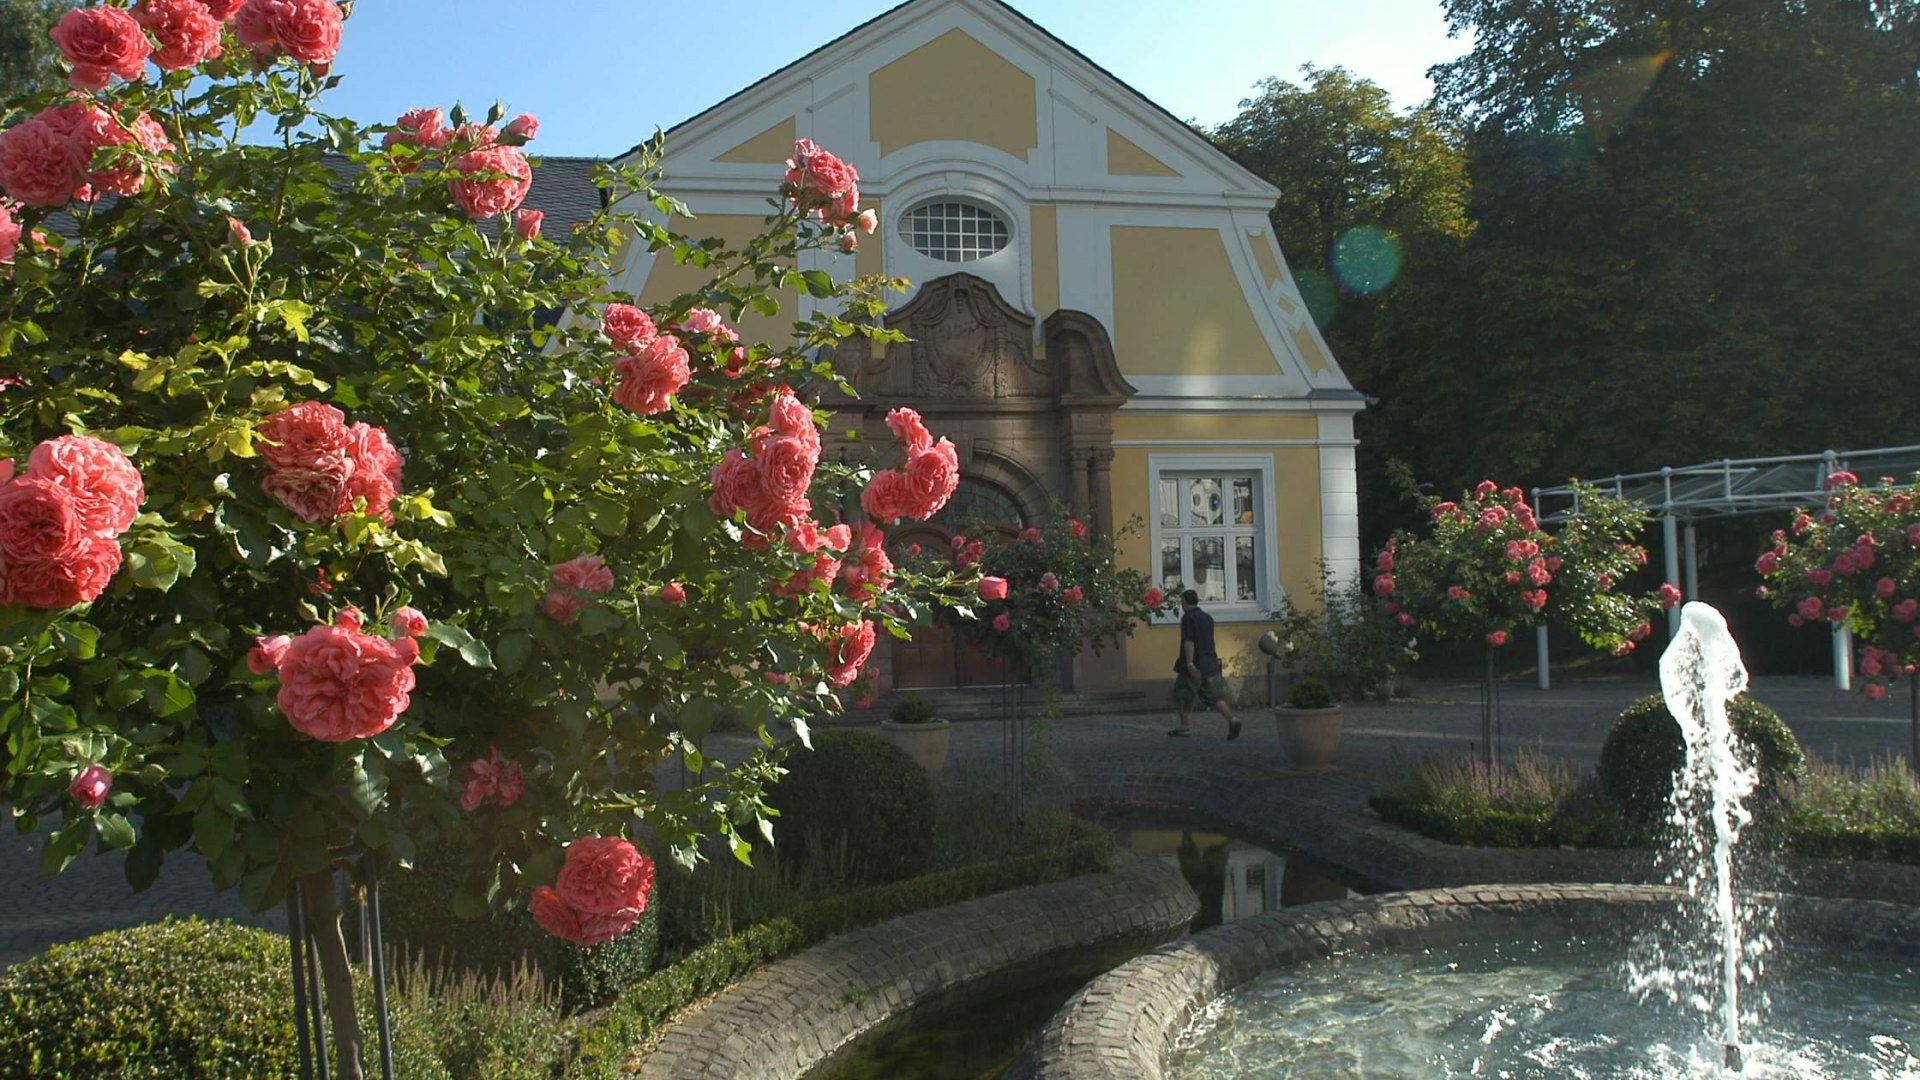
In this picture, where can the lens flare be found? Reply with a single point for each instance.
(1320, 294)
(1366, 259)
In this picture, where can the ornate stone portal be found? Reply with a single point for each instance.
(1034, 424)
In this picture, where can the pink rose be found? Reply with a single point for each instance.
(647, 382)
(316, 496)
(1767, 563)
(409, 621)
(1485, 488)
(9, 234)
(101, 42)
(1535, 599)
(89, 788)
(849, 243)
(627, 326)
(1002, 622)
(867, 222)
(492, 779)
(376, 469)
(310, 435)
(307, 30)
(605, 875)
(1511, 577)
(737, 485)
(1874, 691)
(993, 588)
(559, 918)
(1404, 619)
(188, 33)
(1153, 598)
(1837, 613)
(815, 178)
(1072, 594)
(850, 653)
(1812, 608)
(1884, 588)
(1049, 584)
(237, 232)
(1497, 638)
(932, 478)
(105, 487)
(1906, 610)
(222, 9)
(76, 576)
(1840, 478)
(526, 223)
(1795, 619)
(1819, 578)
(1669, 595)
(338, 684)
(563, 607)
(788, 415)
(523, 127)
(39, 519)
(41, 163)
(1457, 592)
(673, 593)
(867, 571)
(787, 463)
(493, 179)
(95, 129)
(1383, 585)
(1032, 536)
(884, 499)
(267, 652)
(584, 573)
(1538, 573)
(910, 431)
(1078, 529)
(424, 128)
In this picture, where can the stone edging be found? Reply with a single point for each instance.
(789, 1016)
(1124, 1023)
(1396, 857)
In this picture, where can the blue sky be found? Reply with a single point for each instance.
(602, 74)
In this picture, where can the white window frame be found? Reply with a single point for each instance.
(986, 211)
(1267, 591)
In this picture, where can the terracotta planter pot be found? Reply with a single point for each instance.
(925, 743)
(1308, 737)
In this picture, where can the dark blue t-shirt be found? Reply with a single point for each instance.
(1197, 626)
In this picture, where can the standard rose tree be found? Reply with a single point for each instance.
(1486, 570)
(1856, 564)
(322, 538)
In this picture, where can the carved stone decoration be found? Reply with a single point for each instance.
(1078, 345)
(966, 342)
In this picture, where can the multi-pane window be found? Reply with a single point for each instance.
(955, 232)
(1208, 534)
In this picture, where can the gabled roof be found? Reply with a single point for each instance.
(1205, 146)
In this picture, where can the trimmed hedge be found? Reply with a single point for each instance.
(644, 1009)
(858, 790)
(1645, 748)
(179, 998)
(417, 913)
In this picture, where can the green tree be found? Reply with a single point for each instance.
(28, 61)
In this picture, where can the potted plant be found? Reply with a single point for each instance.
(1309, 724)
(912, 727)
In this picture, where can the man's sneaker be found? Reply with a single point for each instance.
(1233, 730)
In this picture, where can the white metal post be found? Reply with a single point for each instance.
(1693, 563)
(1842, 658)
(1540, 646)
(1670, 540)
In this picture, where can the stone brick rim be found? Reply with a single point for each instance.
(1126, 1022)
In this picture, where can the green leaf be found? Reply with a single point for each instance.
(471, 650)
(212, 831)
(115, 831)
(819, 283)
(143, 863)
(66, 843)
(515, 649)
(696, 718)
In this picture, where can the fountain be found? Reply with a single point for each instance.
(1539, 980)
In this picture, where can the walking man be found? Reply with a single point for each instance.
(1196, 672)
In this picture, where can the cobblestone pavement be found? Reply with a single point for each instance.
(1568, 721)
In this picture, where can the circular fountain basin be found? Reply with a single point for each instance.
(1519, 981)
(1558, 1008)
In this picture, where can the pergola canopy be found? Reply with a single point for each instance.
(1734, 487)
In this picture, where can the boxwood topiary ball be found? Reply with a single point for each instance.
(166, 1000)
(864, 792)
(1645, 748)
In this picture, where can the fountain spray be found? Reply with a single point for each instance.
(1700, 673)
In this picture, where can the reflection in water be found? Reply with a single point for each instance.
(1236, 879)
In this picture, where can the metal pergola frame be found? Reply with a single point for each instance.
(1730, 487)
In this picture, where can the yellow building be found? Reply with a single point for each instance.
(1101, 314)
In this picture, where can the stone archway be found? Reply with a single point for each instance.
(1028, 404)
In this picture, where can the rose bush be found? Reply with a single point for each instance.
(326, 538)
(1856, 563)
(1486, 570)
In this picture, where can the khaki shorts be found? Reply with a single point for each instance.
(1206, 691)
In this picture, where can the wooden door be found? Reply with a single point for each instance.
(939, 655)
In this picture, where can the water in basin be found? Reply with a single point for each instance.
(1559, 1009)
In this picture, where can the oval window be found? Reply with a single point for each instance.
(955, 232)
